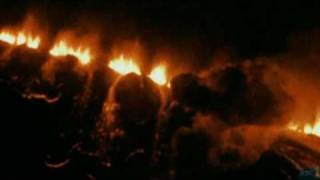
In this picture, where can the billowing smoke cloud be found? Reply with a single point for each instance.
(238, 94)
(232, 105)
(242, 103)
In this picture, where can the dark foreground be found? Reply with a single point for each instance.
(32, 148)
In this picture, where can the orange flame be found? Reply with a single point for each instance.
(158, 75)
(62, 49)
(316, 128)
(7, 37)
(124, 66)
(293, 126)
(33, 43)
(309, 129)
(20, 39)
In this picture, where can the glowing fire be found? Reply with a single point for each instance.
(293, 126)
(7, 37)
(62, 49)
(309, 129)
(33, 42)
(316, 128)
(158, 75)
(20, 39)
(124, 66)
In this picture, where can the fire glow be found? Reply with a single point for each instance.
(158, 75)
(124, 66)
(308, 128)
(20, 38)
(62, 49)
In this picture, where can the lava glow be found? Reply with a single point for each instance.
(20, 39)
(62, 49)
(309, 129)
(158, 75)
(124, 66)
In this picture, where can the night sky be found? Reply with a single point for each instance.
(249, 28)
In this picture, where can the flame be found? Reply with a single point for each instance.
(316, 128)
(62, 49)
(158, 75)
(33, 43)
(124, 66)
(20, 39)
(293, 126)
(309, 129)
(7, 37)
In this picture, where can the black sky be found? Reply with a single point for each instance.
(249, 27)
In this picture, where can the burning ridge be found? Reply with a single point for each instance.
(123, 120)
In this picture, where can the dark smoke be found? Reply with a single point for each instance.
(237, 97)
(187, 90)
